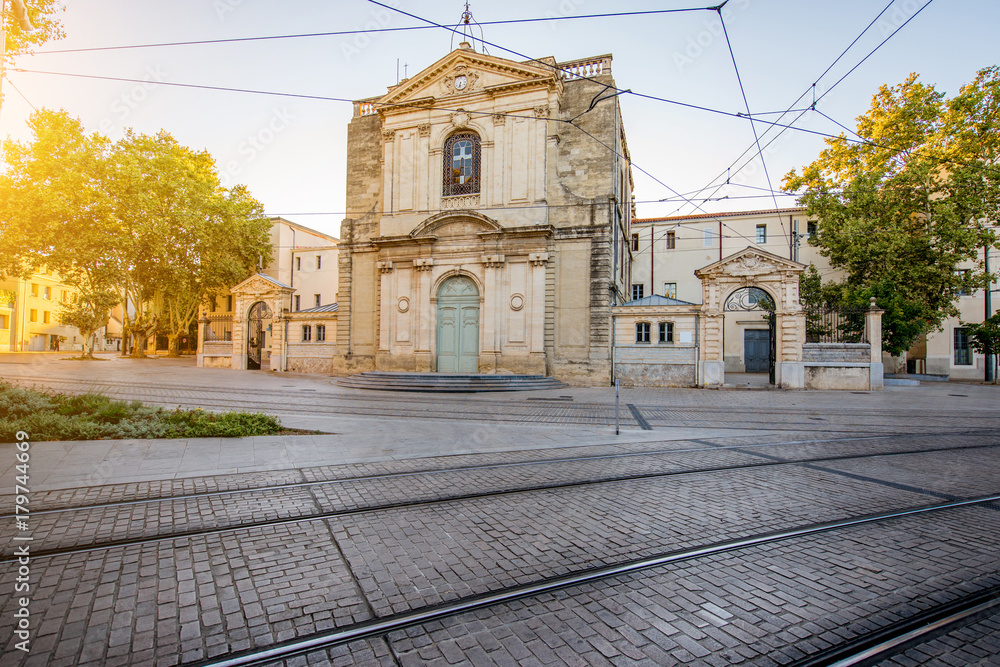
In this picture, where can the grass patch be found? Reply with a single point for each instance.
(48, 416)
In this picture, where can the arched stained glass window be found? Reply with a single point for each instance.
(461, 164)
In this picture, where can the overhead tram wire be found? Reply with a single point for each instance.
(337, 33)
(812, 88)
(837, 83)
(7, 78)
(588, 78)
(746, 103)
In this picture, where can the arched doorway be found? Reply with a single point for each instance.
(256, 331)
(758, 343)
(458, 326)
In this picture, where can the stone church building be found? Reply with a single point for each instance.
(489, 207)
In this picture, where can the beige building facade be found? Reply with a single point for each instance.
(667, 253)
(486, 233)
(30, 315)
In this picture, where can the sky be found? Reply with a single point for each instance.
(292, 152)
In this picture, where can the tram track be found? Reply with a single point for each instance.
(384, 626)
(618, 456)
(427, 496)
(499, 410)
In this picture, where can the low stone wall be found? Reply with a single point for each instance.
(858, 353)
(311, 357)
(844, 377)
(216, 354)
(655, 365)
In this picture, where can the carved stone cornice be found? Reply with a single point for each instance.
(384, 267)
(493, 261)
(538, 258)
(423, 264)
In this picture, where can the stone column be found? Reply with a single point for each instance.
(423, 313)
(385, 306)
(202, 327)
(873, 325)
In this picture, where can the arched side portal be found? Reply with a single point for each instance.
(458, 326)
(258, 321)
(758, 344)
(753, 279)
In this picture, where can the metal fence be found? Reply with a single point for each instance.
(219, 328)
(836, 325)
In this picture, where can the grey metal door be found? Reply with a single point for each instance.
(756, 350)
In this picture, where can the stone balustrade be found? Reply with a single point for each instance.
(577, 69)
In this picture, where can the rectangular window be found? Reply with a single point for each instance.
(319, 301)
(671, 240)
(229, 303)
(637, 289)
(319, 262)
(306, 332)
(761, 234)
(666, 332)
(34, 289)
(47, 293)
(320, 333)
(3, 321)
(33, 316)
(963, 355)
(635, 242)
(670, 290)
(45, 317)
(64, 296)
(707, 238)
(962, 274)
(298, 263)
(811, 228)
(642, 332)
(298, 302)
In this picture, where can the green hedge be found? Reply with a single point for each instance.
(47, 416)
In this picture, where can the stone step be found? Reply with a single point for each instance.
(447, 382)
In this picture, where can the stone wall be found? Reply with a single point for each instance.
(836, 352)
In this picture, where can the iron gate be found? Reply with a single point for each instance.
(754, 298)
(259, 312)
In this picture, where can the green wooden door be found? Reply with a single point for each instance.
(458, 326)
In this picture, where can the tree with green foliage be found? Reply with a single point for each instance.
(984, 337)
(89, 312)
(899, 210)
(144, 217)
(40, 15)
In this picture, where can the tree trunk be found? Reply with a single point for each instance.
(173, 345)
(139, 343)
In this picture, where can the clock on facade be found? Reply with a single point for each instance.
(461, 82)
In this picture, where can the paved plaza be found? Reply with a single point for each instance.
(718, 527)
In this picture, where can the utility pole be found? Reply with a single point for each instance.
(989, 312)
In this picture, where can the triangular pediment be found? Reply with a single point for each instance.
(261, 284)
(750, 262)
(482, 73)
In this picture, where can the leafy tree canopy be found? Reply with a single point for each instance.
(44, 18)
(144, 217)
(900, 209)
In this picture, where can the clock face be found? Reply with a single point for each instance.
(461, 82)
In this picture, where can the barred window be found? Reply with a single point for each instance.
(963, 355)
(462, 162)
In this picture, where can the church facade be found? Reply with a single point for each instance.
(489, 207)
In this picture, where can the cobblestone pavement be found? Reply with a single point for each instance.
(434, 530)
